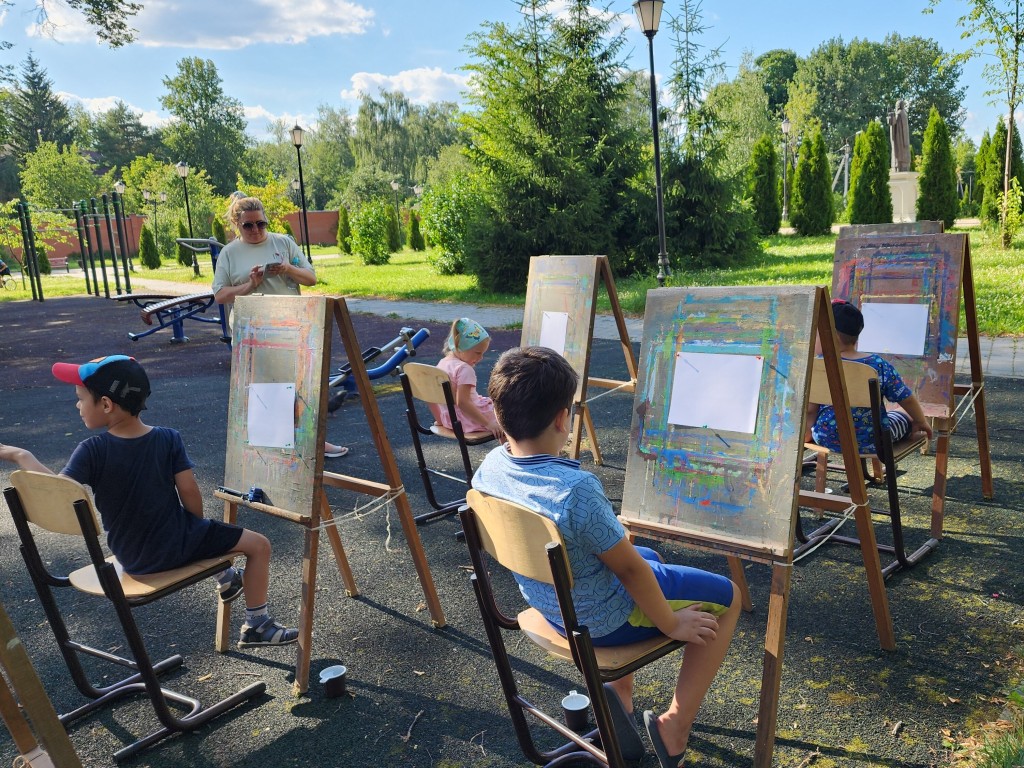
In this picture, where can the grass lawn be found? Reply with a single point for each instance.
(787, 260)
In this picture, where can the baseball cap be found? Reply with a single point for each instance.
(848, 318)
(118, 377)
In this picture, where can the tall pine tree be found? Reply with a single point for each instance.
(870, 200)
(995, 163)
(762, 186)
(812, 208)
(936, 198)
(37, 113)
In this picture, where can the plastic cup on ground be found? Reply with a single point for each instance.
(574, 708)
(333, 680)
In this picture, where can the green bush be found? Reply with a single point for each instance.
(184, 254)
(287, 227)
(344, 231)
(147, 250)
(870, 200)
(413, 236)
(43, 260)
(394, 231)
(762, 186)
(219, 233)
(936, 198)
(811, 211)
(370, 232)
(447, 212)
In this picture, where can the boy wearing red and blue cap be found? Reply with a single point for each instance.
(147, 495)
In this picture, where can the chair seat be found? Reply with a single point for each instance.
(540, 631)
(472, 438)
(147, 585)
(900, 450)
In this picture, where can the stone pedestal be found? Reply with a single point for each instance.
(903, 188)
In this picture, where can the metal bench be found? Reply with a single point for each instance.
(173, 311)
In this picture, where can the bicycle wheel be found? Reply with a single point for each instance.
(9, 282)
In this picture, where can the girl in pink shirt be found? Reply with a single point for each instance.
(466, 346)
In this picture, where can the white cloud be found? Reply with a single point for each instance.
(420, 86)
(223, 25)
(95, 105)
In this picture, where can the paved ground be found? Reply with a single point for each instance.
(959, 616)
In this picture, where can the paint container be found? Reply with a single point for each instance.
(333, 679)
(574, 708)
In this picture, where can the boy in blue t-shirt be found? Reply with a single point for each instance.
(905, 418)
(147, 495)
(623, 593)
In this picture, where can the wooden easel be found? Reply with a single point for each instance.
(933, 379)
(782, 469)
(312, 425)
(52, 747)
(569, 285)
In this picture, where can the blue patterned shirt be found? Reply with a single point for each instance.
(825, 429)
(574, 499)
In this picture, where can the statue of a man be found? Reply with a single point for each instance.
(899, 137)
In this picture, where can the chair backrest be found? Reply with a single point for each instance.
(857, 376)
(426, 382)
(49, 501)
(515, 536)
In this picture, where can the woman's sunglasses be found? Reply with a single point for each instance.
(249, 225)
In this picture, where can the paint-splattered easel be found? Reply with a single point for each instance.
(561, 303)
(734, 491)
(287, 340)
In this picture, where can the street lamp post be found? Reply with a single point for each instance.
(649, 14)
(122, 232)
(182, 169)
(302, 232)
(297, 134)
(785, 168)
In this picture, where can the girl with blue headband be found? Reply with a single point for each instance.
(466, 346)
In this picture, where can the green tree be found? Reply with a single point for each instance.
(147, 250)
(856, 82)
(777, 67)
(275, 195)
(742, 109)
(936, 198)
(119, 136)
(413, 235)
(870, 200)
(394, 231)
(449, 211)
(811, 209)
(995, 173)
(763, 186)
(37, 114)
(328, 155)
(997, 30)
(554, 158)
(184, 254)
(219, 233)
(56, 178)
(370, 232)
(344, 231)
(207, 128)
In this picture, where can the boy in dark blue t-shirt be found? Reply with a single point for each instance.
(147, 495)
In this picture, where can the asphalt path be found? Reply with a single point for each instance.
(421, 696)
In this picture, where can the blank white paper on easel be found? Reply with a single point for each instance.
(894, 329)
(271, 417)
(554, 327)
(717, 392)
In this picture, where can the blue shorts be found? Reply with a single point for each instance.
(682, 586)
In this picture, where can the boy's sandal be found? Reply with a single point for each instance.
(233, 588)
(630, 744)
(339, 451)
(267, 633)
(666, 760)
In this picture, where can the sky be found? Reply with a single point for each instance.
(283, 58)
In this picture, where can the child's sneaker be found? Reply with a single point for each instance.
(267, 633)
(233, 588)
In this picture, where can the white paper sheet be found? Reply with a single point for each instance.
(718, 392)
(554, 326)
(894, 329)
(272, 415)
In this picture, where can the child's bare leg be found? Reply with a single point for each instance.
(624, 688)
(256, 548)
(700, 664)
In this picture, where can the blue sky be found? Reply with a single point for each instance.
(282, 58)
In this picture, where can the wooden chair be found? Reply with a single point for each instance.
(432, 386)
(529, 544)
(864, 392)
(60, 505)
